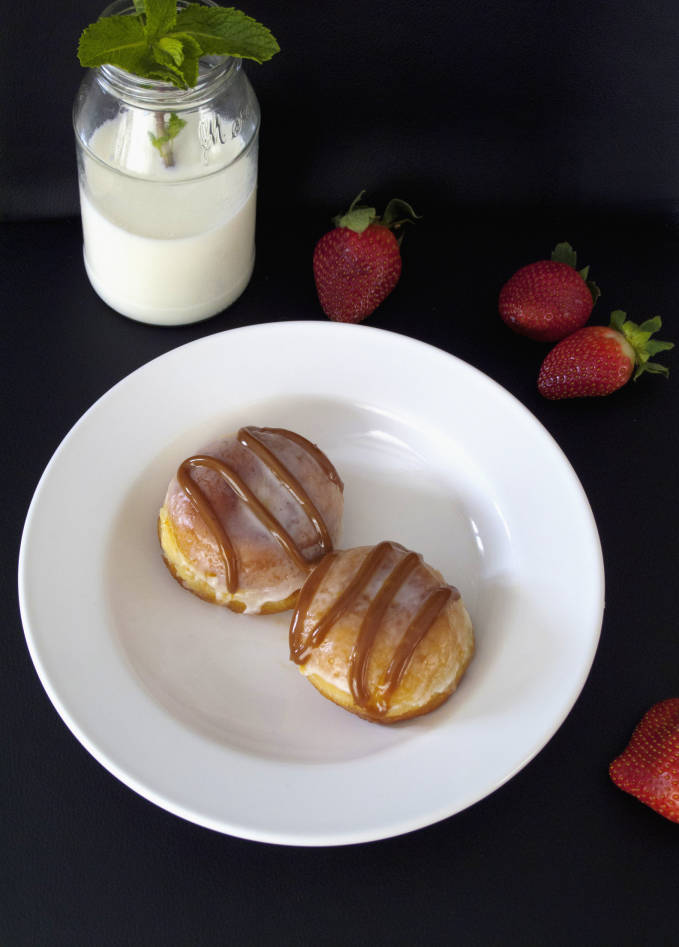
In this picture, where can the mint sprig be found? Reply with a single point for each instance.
(166, 132)
(160, 42)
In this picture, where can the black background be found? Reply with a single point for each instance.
(510, 127)
(525, 103)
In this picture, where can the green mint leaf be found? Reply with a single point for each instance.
(172, 128)
(174, 125)
(222, 31)
(161, 16)
(118, 40)
(191, 45)
(169, 50)
(192, 53)
(157, 42)
(167, 72)
(178, 54)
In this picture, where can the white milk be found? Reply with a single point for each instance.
(160, 248)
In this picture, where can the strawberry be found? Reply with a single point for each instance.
(597, 360)
(549, 299)
(649, 766)
(358, 264)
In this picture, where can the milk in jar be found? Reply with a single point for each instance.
(168, 235)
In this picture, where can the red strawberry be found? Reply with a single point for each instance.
(597, 360)
(358, 264)
(649, 766)
(549, 299)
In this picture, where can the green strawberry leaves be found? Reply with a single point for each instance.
(160, 42)
(564, 253)
(359, 217)
(397, 213)
(639, 337)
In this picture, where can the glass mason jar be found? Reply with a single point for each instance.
(168, 181)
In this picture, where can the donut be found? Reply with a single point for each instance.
(379, 632)
(247, 517)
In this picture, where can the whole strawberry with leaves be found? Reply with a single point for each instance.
(549, 299)
(358, 264)
(649, 766)
(598, 360)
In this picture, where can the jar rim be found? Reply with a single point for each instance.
(154, 93)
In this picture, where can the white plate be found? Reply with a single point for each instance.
(200, 710)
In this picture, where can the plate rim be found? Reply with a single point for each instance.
(345, 837)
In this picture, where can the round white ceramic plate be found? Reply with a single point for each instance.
(200, 710)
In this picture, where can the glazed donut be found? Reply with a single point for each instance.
(379, 632)
(247, 518)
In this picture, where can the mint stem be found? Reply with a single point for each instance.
(166, 152)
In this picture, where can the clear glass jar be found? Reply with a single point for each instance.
(168, 229)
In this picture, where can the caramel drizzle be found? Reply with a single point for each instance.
(376, 704)
(318, 455)
(248, 437)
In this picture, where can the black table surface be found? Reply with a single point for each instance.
(558, 854)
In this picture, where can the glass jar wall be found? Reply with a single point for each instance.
(168, 181)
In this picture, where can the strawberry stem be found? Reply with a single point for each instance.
(359, 217)
(564, 253)
(639, 337)
(397, 213)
